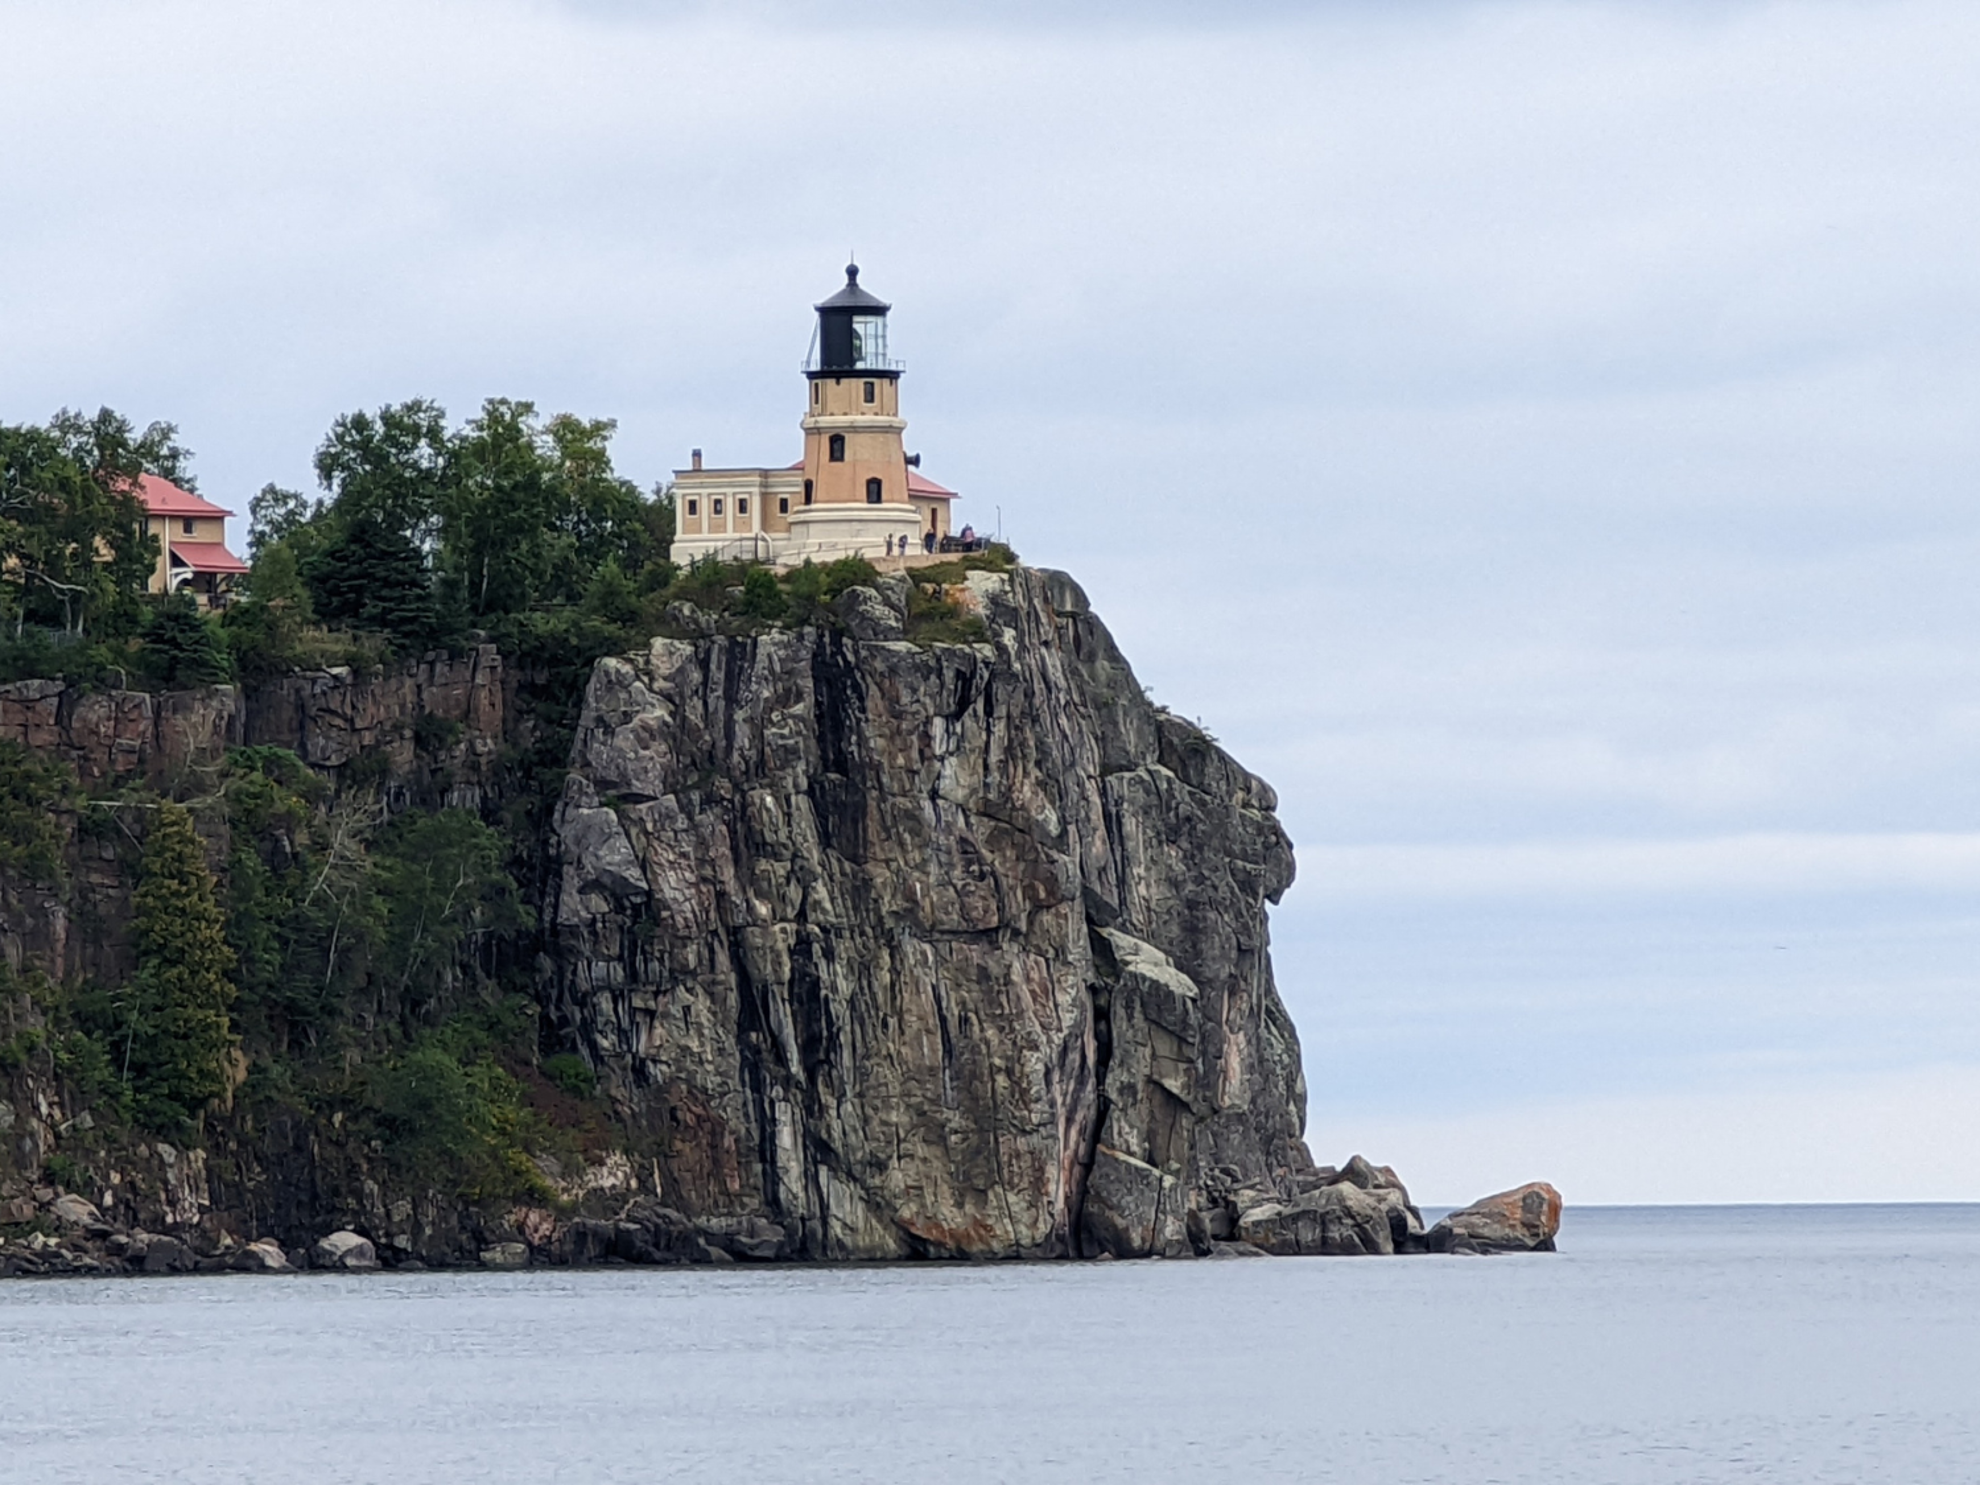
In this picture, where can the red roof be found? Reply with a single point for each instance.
(206, 556)
(163, 498)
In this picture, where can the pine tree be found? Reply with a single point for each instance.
(180, 647)
(180, 1043)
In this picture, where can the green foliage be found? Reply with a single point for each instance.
(571, 1073)
(179, 647)
(264, 627)
(74, 555)
(935, 616)
(63, 1171)
(369, 575)
(442, 881)
(389, 470)
(32, 787)
(276, 516)
(762, 598)
(179, 1042)
(447, 1113)
(435, 734)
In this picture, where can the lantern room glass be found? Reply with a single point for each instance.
(869, 340)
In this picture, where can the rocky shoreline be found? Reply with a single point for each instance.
(1356, 1210)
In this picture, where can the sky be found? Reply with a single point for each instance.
(1538, 438)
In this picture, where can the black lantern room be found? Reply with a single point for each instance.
(852, 332)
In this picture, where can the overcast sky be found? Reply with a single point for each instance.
(1539, 438)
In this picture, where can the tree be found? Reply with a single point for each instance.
(370, 575)
(181, 648)
(32, 787)
(73, 550)
(391, 468)
(179, 1043)
(276, 515)
(265, 625)
(443, 885)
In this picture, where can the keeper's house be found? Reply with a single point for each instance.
(192, 543)
(856, 491)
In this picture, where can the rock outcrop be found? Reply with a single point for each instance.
(956, 950)
(1524, 1220)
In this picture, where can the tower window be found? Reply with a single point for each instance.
(742, 505)
(873, 492)
(718, 505)
(783, 505)
(694, 507)
(869, 391)
(817, 392)
(837, 450)
(807, 492)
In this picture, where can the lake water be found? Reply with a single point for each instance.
(1673, 1344)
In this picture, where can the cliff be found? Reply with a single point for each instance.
(842, 941)
(947, 951)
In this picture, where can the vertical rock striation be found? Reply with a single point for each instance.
(959, 950)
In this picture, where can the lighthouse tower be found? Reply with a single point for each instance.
(853, 494)
(855, 497)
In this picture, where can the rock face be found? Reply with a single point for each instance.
(1524, 1220)
(948, 951)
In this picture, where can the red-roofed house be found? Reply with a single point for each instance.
(192, 542)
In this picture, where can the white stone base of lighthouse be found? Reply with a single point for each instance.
(824, 533)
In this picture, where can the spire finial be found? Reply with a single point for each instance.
(852, 269)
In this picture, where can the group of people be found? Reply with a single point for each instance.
(900, 546)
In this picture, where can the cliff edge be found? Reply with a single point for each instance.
(949, 951)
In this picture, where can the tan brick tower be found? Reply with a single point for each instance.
(855, 494)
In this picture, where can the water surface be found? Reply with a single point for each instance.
(1662, 1345)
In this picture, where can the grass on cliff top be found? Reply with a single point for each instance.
(743, 598)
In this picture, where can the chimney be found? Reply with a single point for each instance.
(697, 458)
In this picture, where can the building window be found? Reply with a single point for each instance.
(873, 492)
(807, 492)
(694, 507)
(817, 393)
(717, 508)
(186, 527)
(742, 505)
(869, 391)
(783, 505)
(837, 449)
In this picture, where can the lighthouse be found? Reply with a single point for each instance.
(854, 492)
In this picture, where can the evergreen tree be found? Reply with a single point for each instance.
(371, 576)
(179, 1041)
(180, 647)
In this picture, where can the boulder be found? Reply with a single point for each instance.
(1523, 1220)
(1336, 1221)
(164, 1255)
(262, 1256)
(868, 615)
(73, 1211)
(344, 1249)
(506, 1255)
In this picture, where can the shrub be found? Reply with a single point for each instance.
(571, 1073)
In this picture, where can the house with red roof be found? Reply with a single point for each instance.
(856, 491)
(192, 542)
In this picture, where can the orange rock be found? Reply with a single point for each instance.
(1523, 1220)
